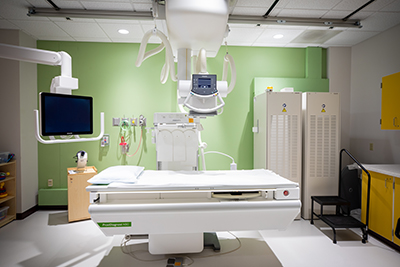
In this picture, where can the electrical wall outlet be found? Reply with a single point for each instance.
(50, 182)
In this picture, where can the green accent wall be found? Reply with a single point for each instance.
(314, 79)
(107, 72)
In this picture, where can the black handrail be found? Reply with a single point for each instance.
(369, 179)
(397, 231)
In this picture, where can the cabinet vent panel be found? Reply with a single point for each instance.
(323, 145)
(283, 152)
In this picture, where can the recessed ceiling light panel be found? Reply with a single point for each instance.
(123, 31)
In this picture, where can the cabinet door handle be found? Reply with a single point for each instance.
(385, 182)
(395, 122)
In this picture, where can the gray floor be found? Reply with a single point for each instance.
(47, 239)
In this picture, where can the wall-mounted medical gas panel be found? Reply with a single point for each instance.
(321, 147)
(277, 133)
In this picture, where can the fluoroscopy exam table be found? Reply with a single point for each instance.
(175, 208)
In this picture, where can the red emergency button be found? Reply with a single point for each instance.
(286, 193)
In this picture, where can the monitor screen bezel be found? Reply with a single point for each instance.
(44, 122)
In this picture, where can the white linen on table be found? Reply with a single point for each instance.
(122, 173)
(200, 179)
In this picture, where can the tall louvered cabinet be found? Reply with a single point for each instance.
(277, 133)
(321, 147)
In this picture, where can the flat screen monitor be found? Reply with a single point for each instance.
(66, 114)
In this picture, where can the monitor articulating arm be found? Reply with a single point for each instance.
(63, 84)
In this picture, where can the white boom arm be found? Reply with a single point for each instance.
(63, 84)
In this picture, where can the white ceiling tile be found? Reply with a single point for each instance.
(302, 13)
(249, 11)
(268, 44)
(127, 40)
(288, 27)
(315, 36)
(112, 30)
(255, 3)
(40, 28)
(381, 21)
(312, 4)
(5, 24)
(61, 4)
(248, 35)
(355, 4)
(275, 12)
(54, 38)
(288, 36)
(394, 6)
(79, 29)
(39, 3)
(16, 9)
(378, 16)
(240, 43)
(283, 3)
(327, 28)
(93, 39)
(69, 4)
(349, 38)
(102, 0)
(57, 19)
(234, 25)
(298, 45)
(336, 14)
(107, 6)
(142, 7)
(117, 21)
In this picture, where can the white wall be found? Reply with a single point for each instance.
(339, 75)
(371, 60)
(29, 145)
(18, 94)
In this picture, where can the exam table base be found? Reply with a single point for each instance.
(211, 241)
(178, 243)
(254, 251)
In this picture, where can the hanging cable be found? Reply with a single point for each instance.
(140, 142)
(233, 164)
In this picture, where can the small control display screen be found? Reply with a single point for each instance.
(204, 84)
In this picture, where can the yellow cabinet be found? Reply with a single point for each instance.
(78, 197)
(381, 204)
(9, 199)
(396, 207)
(384, 208)
(390, 108)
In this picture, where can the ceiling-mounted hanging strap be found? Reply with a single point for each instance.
(357, 10)
(270, 9)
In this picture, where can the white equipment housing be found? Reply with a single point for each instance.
(175, 136)
(196, 24)
(196, 30)
(202, 93)
(277, 133)
(321, 147)
(176, 208)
